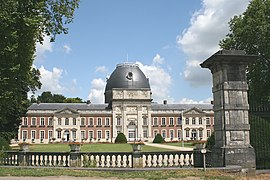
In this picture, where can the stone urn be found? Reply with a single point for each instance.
(137, 146)
(24, 146)
(75, 147)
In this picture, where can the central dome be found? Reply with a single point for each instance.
(126, 76)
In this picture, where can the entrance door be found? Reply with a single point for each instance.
(194, 134)
(131, 135)
(66, 135)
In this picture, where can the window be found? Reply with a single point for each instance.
(179, 134)
(50, 134)
(163, 133)
(145, 121)
(187, 133)
(82, 135)
(33, 134)
(74, 135)
(179, 121)
(201, 133)
(200, 120)
(24, 135)
(82, 121)
(50, 123)
(163, 121)
(155, 133)
(74, 122)
(171, 134)
(171, 121)
(91, 134)
(99, 121)
(193, 121)
(99, 135)
(187, 121)
(42, 134)
(59, 134)
(155, 121)
(33, 123)
(59, 121)
(91, 122)
(25, 121)
(107, 121)
(208, 121)
(208, 133)
(118, 121)
(107, 135)
(66, 121)
(145, 133)
(42, 121)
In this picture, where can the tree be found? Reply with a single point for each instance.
(45, 97)
(23, 24)
(158, 139)
(251, 32)
(73, 100)
(121, 138)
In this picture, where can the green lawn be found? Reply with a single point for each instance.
(94, 147)
(164, 174)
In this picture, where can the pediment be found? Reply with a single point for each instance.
(193, 111)
(66, 110)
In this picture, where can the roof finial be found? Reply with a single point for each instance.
(127, 57)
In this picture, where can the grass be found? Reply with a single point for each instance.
(95, 147)
(164, 174)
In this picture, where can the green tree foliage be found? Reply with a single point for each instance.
(4, 144)
(210, 141)
(251, 32)
(73, 100)
(48, 97)
(121, 138)
(23, 24)
(158, 139)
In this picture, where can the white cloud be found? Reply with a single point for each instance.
(207, 27)
(101, 69)
(51, 80)
(160, 81)
(67, 49)
(157, 59)
(191, 101)
(41, 49)
(96, 94)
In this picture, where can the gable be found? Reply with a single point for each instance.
(66, 110)
(193, 111)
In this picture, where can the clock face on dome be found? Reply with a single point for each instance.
(129, 76)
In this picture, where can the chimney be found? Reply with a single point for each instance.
(88, 102)
(165, 101)
(38, 102)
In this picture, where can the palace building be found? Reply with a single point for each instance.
(128, 108)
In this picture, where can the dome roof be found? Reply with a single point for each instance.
(126, 76)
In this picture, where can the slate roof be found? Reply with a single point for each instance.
(181, 106)
(84, 106)
(75, 106)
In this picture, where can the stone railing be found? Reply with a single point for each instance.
(98, 160)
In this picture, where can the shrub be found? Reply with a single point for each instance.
(4, 145)
(158, 139)
(121, 138)
(210, 141)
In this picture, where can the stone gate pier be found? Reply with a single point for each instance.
(232, 144)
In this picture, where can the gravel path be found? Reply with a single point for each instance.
(169, 147)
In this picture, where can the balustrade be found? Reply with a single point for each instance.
(98, 160)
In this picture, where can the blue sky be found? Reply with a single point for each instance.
(168, 39)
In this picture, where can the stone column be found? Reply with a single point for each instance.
(232, 145)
